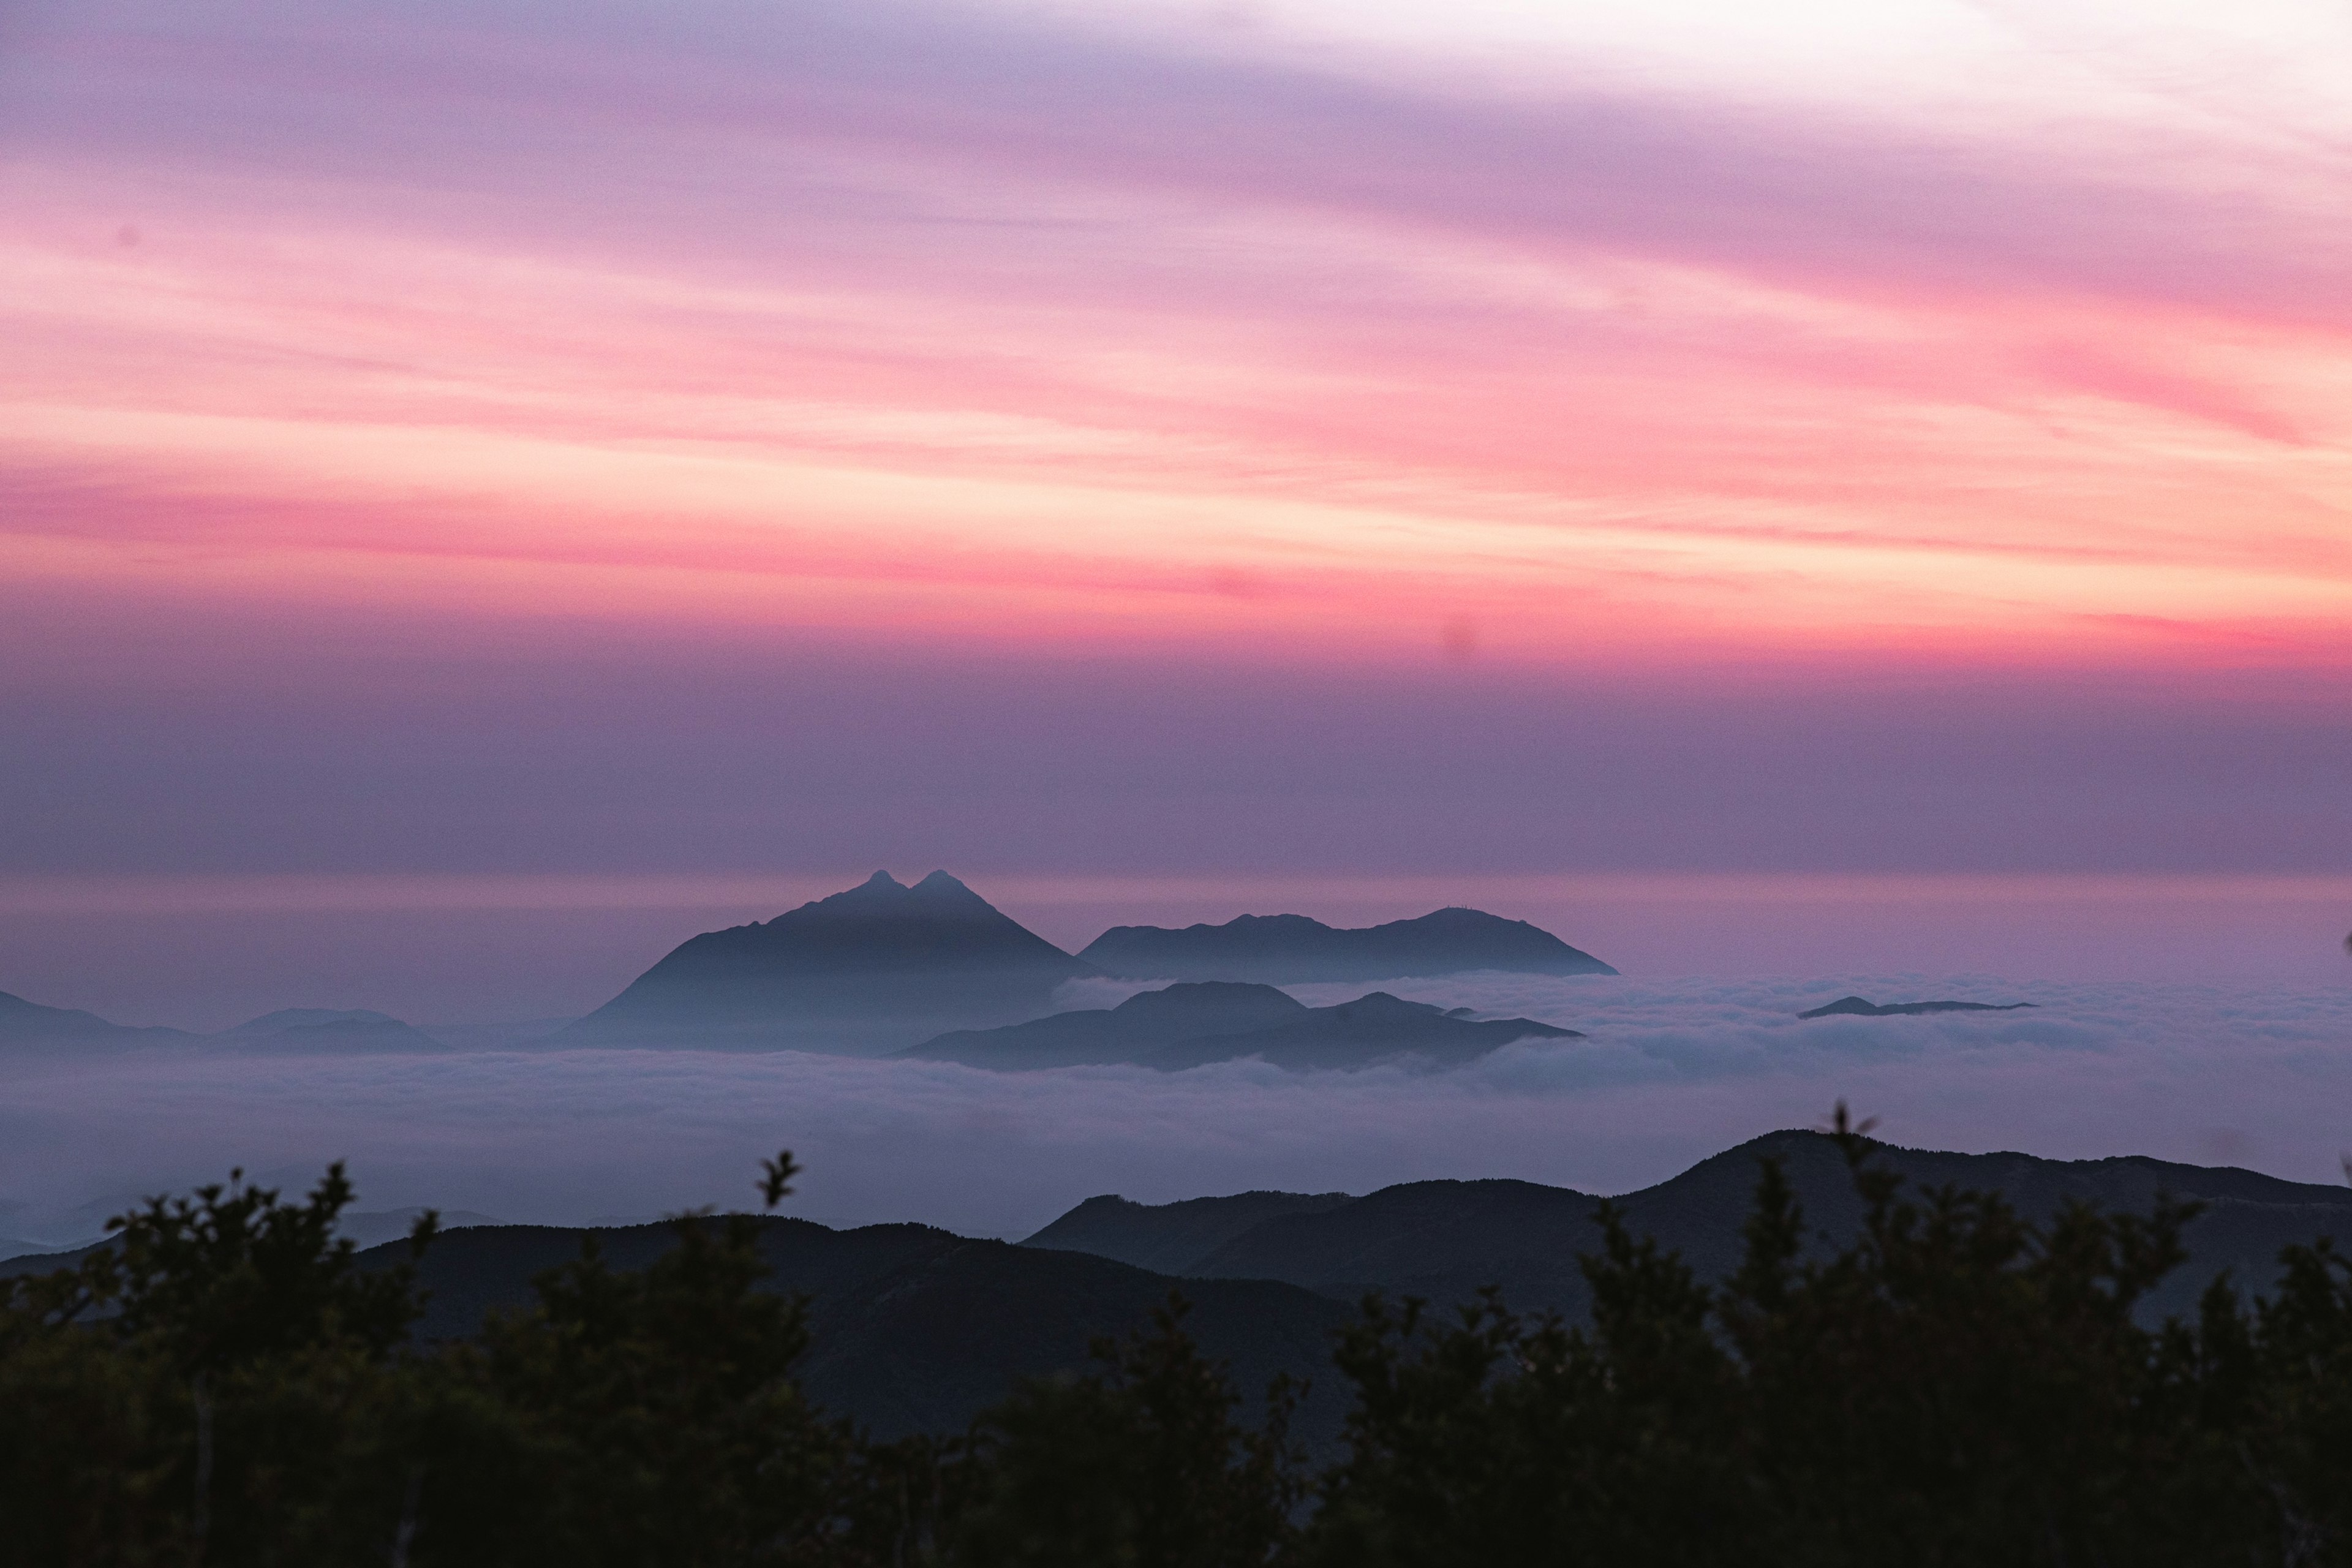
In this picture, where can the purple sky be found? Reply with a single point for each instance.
(1292, 440)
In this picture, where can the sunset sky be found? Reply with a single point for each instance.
(1155, 437)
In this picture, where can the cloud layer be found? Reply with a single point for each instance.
(2210, 1074)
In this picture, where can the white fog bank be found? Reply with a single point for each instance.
(1673, 1070)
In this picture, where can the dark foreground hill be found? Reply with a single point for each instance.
(1168, 1238)
(916, 1330)
(1962, 1387)
(1195, 1023)
(1290, 950)
(877, 968)
(1444, 1240)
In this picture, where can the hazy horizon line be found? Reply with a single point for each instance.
(117, 893)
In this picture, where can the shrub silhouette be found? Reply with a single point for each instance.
(1954, 1386)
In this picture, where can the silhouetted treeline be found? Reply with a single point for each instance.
(224, 1385)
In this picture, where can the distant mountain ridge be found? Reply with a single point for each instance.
(1194, 1023)
(330, 1029)
(1290, 950)
(306, 1018)
(1146, 1022)
(881, 966)
(288, 1030)
(1863, 1007)
(23, 1023)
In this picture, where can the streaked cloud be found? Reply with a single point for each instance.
(1016, 323)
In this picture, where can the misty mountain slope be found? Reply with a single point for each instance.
(297, 1030)
(1135, 1029)
(23, 1023)
(916, 1330)
(1194, 1023)
(1284, 949)
(303, 1018)
(1444, 1240)
(1170, 1238)
(1371, 1029)
(877, 968)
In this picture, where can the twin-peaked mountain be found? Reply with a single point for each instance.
(877, 968)
(927, 969)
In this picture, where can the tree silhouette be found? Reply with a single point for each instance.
(1956, 1385)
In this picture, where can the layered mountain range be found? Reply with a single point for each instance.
(929, 968)
(887, 967)
(288, 1030)
(1444, 1240)
(917, 1330)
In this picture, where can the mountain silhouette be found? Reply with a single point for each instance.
(1288, 950)
(1371, 1029)
(874, 969)
(23, 1023)
(917, 1330)
(1130, 1032)
(1861, 1007)
(306, 1018)
(1194, 1023)
(1444, 1240)
(1168, 1238)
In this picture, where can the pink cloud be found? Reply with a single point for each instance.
(921, 322)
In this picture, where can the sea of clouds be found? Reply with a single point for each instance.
(1671, 1070)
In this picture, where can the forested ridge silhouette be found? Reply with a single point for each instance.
(1956, 1383)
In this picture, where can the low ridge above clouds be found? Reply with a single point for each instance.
(1194, 1024)
(886, 967)
(1284, 950)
